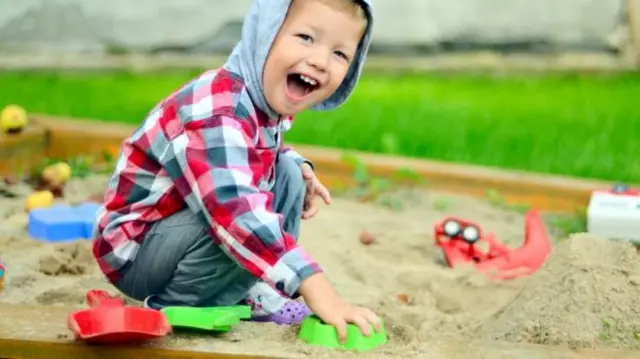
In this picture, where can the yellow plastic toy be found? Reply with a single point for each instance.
(40, 199)
(13, 119)
(56, 174)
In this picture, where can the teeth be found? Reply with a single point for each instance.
(308, 80)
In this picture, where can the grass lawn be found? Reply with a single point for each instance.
(578, 125)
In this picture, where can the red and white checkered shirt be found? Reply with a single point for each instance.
(208, 148)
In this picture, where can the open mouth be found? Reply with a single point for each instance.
(299, 85)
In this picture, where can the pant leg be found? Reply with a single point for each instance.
(289, 191)
(178, 263)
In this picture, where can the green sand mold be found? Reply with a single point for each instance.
(313, 331)
(219, 319)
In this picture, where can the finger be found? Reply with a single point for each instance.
(308, 204)
(362, 323)
(307, 174)
(324, 193)
(373, 319)
(341, 328)
(311, 211)
(307, 196)
(310, 187)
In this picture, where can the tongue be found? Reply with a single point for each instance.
(296, 87)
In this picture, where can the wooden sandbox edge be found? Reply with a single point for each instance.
(56, 137)
(43, 349)
(29, 332)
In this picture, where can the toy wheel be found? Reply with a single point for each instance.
(471, 234)
(451, 228)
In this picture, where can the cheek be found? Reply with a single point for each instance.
(269, 77)
(337, 77)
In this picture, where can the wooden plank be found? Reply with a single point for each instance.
(544, 192)
(553, 193)
(34, 349)
(19, 152)
(36, 332)
(31, 332)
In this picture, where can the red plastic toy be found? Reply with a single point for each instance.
(109, 321)
(459, 239)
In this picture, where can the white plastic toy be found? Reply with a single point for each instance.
(615, 213)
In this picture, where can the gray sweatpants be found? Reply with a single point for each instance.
(178, 263)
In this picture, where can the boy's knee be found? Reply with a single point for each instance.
(164, 249)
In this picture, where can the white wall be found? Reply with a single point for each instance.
(199, 25)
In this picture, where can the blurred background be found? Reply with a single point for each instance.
(546, 86)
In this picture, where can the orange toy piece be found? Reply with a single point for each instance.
(459, 239)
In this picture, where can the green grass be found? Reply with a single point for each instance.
(578, 125)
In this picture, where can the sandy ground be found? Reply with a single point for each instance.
(587, 295)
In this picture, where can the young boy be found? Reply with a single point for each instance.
(205, 204)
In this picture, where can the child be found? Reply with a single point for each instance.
(205, 204)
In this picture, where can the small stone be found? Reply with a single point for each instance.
(403, 298)
(10, 180)
(367, 238)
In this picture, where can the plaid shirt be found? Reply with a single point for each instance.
(205, 147)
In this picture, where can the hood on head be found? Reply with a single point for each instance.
(259, 30)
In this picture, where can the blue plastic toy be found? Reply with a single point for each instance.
(61, 223)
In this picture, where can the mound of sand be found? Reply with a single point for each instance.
(586, 295)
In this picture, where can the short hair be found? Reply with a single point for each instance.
(352, 7)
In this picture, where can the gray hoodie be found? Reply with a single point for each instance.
(261, 25)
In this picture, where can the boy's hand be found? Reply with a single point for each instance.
(324, 302)
(314, 188)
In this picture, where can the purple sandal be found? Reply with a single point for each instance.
(292, 313)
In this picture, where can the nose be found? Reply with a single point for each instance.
(319, 58)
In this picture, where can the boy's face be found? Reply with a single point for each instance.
(310, 56)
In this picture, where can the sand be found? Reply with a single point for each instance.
(587, 295)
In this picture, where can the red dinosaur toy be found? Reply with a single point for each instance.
(459, 239)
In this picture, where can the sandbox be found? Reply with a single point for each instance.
(586, 296)
(581, 304)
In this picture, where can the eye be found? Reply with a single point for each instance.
(305, 37)
(342, 55)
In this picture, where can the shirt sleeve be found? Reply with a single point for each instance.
(216, 168)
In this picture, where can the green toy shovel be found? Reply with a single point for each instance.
(219, 319)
